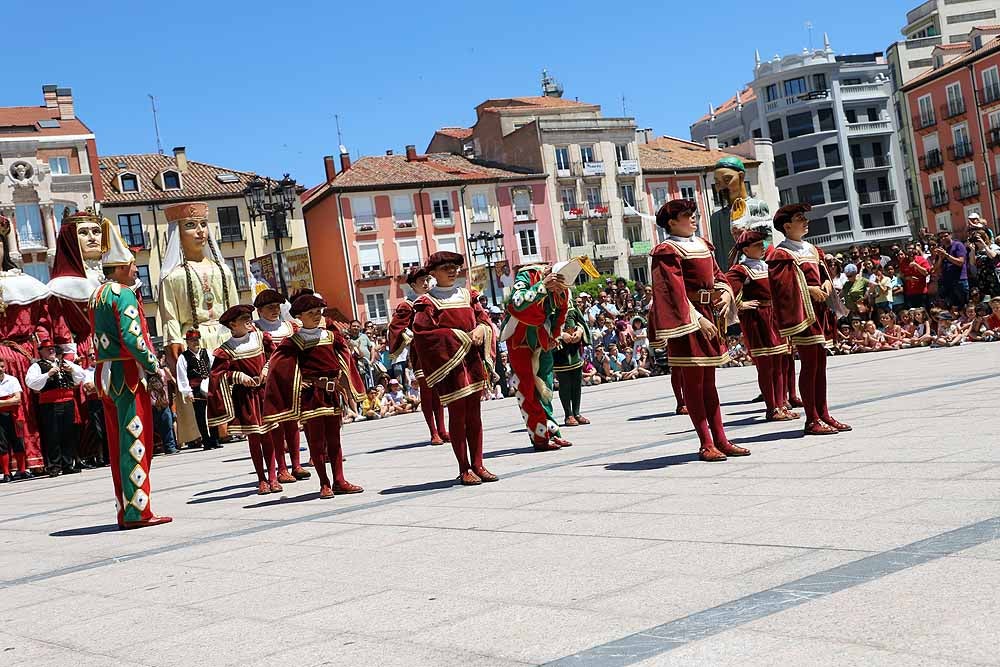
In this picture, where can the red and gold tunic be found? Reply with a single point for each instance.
(793, 268)
(685, 278)
(749, 281)
(400, 334)
(442, 325)
(229, 401)
(306, 374)
(278, 330)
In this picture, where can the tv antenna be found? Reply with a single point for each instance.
(156, 125)
(340, 138)
(809, 28)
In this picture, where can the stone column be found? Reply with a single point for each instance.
(48, 230)
(9, 212)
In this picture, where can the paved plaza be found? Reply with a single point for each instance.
(877, 547)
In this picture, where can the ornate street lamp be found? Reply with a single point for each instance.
(272, 201)
(488, 246)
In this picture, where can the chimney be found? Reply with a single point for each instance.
(712, 141)
(64, 102)
(411, 153)
(49, 94)
(180, 157)
(389, 152)
(331, 168)
(345, 159)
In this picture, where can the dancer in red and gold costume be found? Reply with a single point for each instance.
(689, 293)
(285, 434)
(305, 377)
(455, 340)
(236, 392)
(748, 278)
(400, 337)
(802, 291)
(24, 317)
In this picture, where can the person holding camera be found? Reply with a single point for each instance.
(55, 379)
(984, 258)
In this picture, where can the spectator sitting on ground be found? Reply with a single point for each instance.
(396, 400)
(373, 406)
(590, 376)
(949, 334)
(894, 333)
(843, 343)
(923, 326)
(876, 339)
(603, 365)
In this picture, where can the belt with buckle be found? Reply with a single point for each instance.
(702, 296)
(319, 382)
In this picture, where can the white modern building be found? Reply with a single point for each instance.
(835, 140)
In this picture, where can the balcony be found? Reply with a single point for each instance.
(834, 239)
(783, 103)
(592, 169)
(924, 121)
(137, 241)
(869, 128)
(864, 91)
(365, 223)
(937, 200)
(481, 217)
(628, 168)
(404, 221)
(633, 209)
(967, 191)
(877, 197)
(230, 233)
(584, 250)
(932, 161)
(571, 212)
(598, 209)
(366, 273)
(961, 152)
(444, 222)
(989, 94)
(993, 137)
(521, 215)
(873, 162)
(639, 248)
(953, 109)
(606, 251)
(883, 233)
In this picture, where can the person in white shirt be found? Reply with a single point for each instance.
(55, 380)
(10, 414)
(193, 368)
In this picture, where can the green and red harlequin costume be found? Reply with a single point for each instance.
(124, 357)
(532, 326)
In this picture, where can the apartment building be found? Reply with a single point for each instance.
(48, 164)
(378, 217)
(955, 112)
(834, 139)
(932, 23)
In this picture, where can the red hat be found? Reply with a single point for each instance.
(45, 341)
(266, 298)
(186, 211)
(192, 334)
(785, 214)
(673, 209)
(415, 274)
(234, 313)
(443, 257)
(749, 237)
(306, 302)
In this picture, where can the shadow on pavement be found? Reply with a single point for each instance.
(225, 488)
(426, 486)
(508, 452)
(86, 530)
(642, 418)
(655, 464)
(249, 491)
(397, 448)
(306, 497)
(793, 434)
(749, 402)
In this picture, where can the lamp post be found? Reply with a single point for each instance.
(272, 201)
(489, 246)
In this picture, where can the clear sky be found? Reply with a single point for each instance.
(255, 85)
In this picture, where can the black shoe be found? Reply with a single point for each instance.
(54, 472)
(27, 474)
(83, 465)
(70, 470)
(6, 479)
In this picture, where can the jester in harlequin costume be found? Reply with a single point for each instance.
(691, 302)
(748, 277)
(124, 358)
(306, 376)
(455, 339)
(24, 318)
(536, 311)
(400, 336)
(285, 435)
(805, 311)
(236, 392)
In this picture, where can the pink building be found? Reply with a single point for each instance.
(370, 223)
(956, 124)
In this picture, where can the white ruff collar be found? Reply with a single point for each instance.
(21, 289)
(754, 264)
(797, 247)
(74, 288)
(681, 239)
(310, 335)
(445, 293)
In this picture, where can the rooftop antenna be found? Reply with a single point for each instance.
(340, 138)
(809, 28)
(624, 112)
(156, 125)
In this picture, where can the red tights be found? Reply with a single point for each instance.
(261, 452)
(20, 460)
(433, 411)
(466, 424)
(702, 399)
(771, 379)
(812, 381)
(678, 386)
(323, 435)
(286, 438)
(788, 364)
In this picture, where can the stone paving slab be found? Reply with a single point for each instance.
(570, 552)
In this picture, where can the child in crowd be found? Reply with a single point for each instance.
(979, 331)
(949, 333)
(922, 334)
(894, 333)
(843, 344)
(859, 339)
(876, 340)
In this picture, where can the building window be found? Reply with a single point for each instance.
(447, 244)
(774, 130)
(800, 124)
(522, 204)
(171, 180)
(562, 158)
(129, 183)
(811, 193)
(795, 87)
(942, 221)
(991, 85)
(628, 195)
(363, 211)
(574, 237)
(841, 223)
(480, 207)
(888, 219)
(825, 119)
(409, 254)
(831, 155)
(659, 197)
(29, 226)
(866, 221)
(622, 153)
(757, 133)
(402, 210)
(805, 160)
(633, 233)
(837, 192)
(378, 307)
(786, 196)
(819, 82)
(151, 326)
(687, 191)
(639, 274)
(771, 92)
(369, 258)
(926, 106)
(568, 197)
(59, 165)
(587, 154)
(130, 225)
(230, 229)
(59, 209)
(142, 273)
(37, 270)
(442, 208)
(781, 165)
(599, 233)
(818, 227)
(526, 241)
(594, 195)
(238, 266)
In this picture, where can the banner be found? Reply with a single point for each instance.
(298, 271)
(263, 273)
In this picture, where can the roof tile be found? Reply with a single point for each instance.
(199, 181)
(670, 153)
(29, 117)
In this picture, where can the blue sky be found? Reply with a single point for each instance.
(255, 85)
